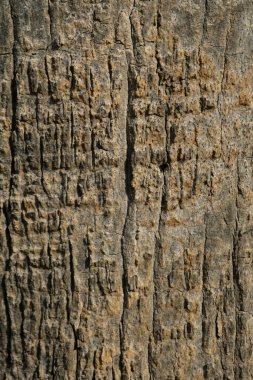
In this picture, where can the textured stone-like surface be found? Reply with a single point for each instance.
(126, 189)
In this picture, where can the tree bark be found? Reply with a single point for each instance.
(126, 189)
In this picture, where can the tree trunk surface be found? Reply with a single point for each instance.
(126, 189)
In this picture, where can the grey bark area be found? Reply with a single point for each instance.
(126, 189)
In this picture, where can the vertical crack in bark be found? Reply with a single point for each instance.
(14, 117)
(204, 28)
(41, 147)
(225, 58)
(93, 135)
(130, 197)
(150, 354)
(22, 330)
(204, 24)
(9, 325)
(235, 272)
(8, 238)
(195, 176)
(204, 290)
(73, 140)
(223, 79)
(14, 101)
(77, 364)
(49, 89)
(181, 187)
(72, 268)
(155, 266)
(163, 204)
(73, 78)
(125, 301)
(49, 10)
(7, 205)
(130, 193)
(14, 91)
(38, 350)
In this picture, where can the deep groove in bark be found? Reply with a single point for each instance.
(9, 325)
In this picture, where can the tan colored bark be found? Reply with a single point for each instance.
(126, 189)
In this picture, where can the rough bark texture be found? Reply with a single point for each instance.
(126, 182)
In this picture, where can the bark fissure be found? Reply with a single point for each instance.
(235, 273)
(130, 199)
(223, 79)
(6, 212)
(9, 324)
(14, 97)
